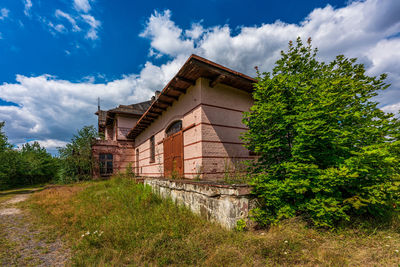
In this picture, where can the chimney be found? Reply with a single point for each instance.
(157, 94)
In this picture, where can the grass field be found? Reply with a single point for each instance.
(119, 222)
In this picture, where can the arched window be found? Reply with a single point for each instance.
(174, 127)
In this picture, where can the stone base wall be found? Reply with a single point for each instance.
(221, 203)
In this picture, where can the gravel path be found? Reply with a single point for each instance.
(26, 244)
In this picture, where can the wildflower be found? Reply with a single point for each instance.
(83, 235)
(397, 251)
(286, 241)
(87, 233)
(285, 252)
(387, 245)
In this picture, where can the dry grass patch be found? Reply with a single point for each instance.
(119, 222)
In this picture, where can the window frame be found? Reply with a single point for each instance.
(173, 128)
(104, 164)
(152, 149)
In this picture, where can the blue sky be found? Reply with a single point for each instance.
(30, 47)
(58, 56)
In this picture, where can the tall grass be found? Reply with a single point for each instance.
(119, 222)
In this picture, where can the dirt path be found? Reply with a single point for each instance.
(24, 244)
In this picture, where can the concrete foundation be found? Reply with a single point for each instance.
(221, 203)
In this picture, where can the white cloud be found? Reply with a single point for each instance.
(27, 7)
(165, 36)
(94, 25)
(195, 32)
(4, 13)
(51, 143)
(61, 14)
(368, 30)
(82, 5)
(52, 108)
(57, 27)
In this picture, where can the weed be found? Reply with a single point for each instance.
(129, 171)
(136, 227)
(199, 172)
(241, 225)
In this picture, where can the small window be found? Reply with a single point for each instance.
(152, 150)
(106, 164)
(174, 128)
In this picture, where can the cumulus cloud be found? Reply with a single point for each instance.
(165, 36)
(368, 30)
(52, 108)
(4, 13)
(49, 144)
(27, 7)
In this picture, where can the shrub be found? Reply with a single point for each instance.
(326, 151)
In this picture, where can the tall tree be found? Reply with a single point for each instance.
(325, 149)
(76, 157)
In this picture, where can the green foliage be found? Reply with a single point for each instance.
(27, 166)
(76, 157)
(129, 171)
(241, 225)
(325, 150)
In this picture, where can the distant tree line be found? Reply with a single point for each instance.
(31, 164)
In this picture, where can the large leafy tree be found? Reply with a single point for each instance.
(76, 157)
(326, 151)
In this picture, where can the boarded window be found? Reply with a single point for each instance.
(174, 128)
(106, 164)
(152, 150)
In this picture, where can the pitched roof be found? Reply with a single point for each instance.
(194, 68)
(135, 110)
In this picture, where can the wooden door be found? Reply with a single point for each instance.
(173, 155)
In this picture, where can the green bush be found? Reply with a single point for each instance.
(326, 151)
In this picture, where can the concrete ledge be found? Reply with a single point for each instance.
(222, 203)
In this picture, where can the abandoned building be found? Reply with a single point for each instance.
(191, 129)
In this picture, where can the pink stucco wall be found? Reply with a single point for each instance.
(222, 114)
(184, 109)
(124, 124)
(213, 145)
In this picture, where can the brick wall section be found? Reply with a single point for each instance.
(123, 154)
